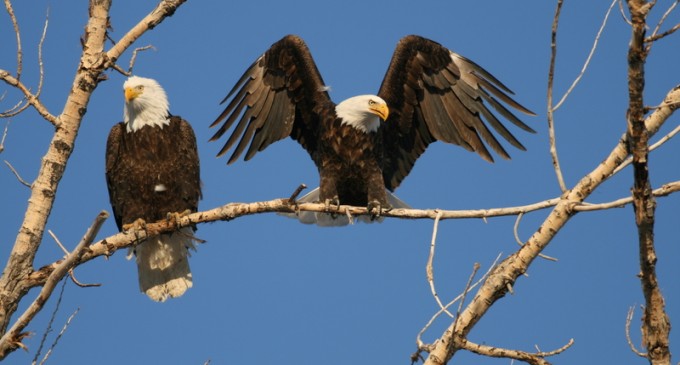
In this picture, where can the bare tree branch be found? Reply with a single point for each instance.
(629, 319)
(551, 110)
(20, 106)
(537, 358)
(429, 268)
(515, 230)
(623, 13)
(656, 325)
(30, 97)
(551, 72)
(655, 36)
(12, 338)
(49, 324)
(421, 345)
(496, 286)
(588, 59)
(231, 211)
(93, 62)
(652, 147)
(15, 24)
(16, 174)
(61, 333)
(4, 136)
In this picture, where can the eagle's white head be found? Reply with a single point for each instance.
(363, 112)
(145, 104)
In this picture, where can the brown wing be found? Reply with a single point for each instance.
(186, 168)
(281, 94)
(113, 148)
(434, 94)
(152, 172)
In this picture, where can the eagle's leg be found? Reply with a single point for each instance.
(377, 197)
(332, 202)
(328, 192)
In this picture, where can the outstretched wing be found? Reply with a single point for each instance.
(435, 94)
(281, 94)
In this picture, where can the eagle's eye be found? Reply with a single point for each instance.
(371, 102)
(140, 87)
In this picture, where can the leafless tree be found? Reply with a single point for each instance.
(19, 275)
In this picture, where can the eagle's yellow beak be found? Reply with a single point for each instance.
(132, 92)
(380, 110)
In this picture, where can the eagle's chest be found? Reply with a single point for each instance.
(349, 145)
(147, 159)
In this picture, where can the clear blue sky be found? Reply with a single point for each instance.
(270, 290)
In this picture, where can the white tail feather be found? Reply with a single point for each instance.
(163, 265)
(328, 220)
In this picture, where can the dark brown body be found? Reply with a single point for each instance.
(138, 162)
(349, 166)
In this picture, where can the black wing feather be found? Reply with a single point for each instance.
(435, 94)
(281, 94)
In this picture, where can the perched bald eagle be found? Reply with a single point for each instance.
(152, 172)
(367, 144)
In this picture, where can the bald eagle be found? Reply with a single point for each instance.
(365, 146)
(152, 173)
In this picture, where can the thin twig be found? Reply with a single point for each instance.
(49, 324)
(40, 53)
(30, 98)
(70, 272)
(664, 34)
(20, 106)
(419, 342)
(652, 147)
(664, 190)
(56, 239)
(295, 194)
(629, 319)
(429, 270)
(623, 14)
(4, 136)
(551, 110)
(61, 333)
(655, 36)
(22, 181)
(475, 268)
(589, 58)
(13, 335)
(82, 285)
(536, 358)
(15, 24)
(134, 56)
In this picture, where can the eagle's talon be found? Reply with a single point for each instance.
(375, 209)
(176, 217)
(335, 202)
(138, 225)
(332, 202)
